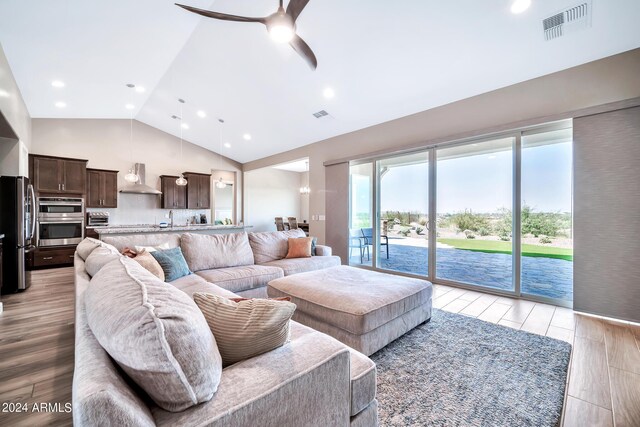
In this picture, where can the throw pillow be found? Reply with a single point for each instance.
(314, 242)
(98, 258)
(155, 333)
(172, 262)
(150, 264)
(299, 247)
(249, 299)
(247, 328)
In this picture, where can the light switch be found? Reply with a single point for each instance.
(321, 217)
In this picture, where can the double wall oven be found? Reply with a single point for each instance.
(60, 221)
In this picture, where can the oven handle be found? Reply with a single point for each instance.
(78, 203)
(63, 221)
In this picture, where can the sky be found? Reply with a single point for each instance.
(481, 183)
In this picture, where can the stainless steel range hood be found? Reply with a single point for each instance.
(139, 187)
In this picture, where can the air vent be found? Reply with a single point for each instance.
(575, 18)
(320, 114)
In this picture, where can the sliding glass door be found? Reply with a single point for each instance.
(361, 194)
(403, 243)
(546, 226)
(474, 213)
(487, 213)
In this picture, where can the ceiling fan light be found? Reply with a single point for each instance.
(182, 181)
(281, 33)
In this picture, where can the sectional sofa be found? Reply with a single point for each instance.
(313, 380)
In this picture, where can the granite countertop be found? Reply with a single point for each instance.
(119, 229)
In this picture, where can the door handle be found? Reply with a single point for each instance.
(59, 187)
(62, 187)
(47, 257)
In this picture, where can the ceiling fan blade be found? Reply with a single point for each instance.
(222, 16)
(304, 50)
(294, 8)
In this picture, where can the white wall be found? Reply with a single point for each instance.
(270, 193)
(106, 145)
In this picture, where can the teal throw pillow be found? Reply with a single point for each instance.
(172, 262)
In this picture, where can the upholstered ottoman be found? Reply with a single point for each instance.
(364, 309)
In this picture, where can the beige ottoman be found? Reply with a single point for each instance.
(364, 309)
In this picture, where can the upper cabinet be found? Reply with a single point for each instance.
(174, 196)
(102, 188)
(58, 175)
(198, 190)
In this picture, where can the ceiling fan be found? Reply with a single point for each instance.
(281, 25)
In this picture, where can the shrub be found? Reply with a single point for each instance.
(469, 234)
(484, 231)
(545, 239)
(467, 220)
(423, 220)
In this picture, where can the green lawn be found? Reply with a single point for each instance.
(493, 246)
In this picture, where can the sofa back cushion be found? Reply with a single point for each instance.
(155, 333)
(273, 245)
(162, 240)
(89, 244)
(207, 251)
(98, 258)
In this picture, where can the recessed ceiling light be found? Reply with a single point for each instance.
(4, 93)
(201, 114)
(61, 104)
(129, 106)
(329, 93)
(247, 136)
(227, 145)
(185, 126)
(520, 6)
(57, 83)
(139, 89)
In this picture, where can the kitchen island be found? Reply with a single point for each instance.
(129, 230)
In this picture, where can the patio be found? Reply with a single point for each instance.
(547, 277)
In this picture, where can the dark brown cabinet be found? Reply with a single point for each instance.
(102, 188)
(58, 175)
(45, 257)
(174, 196)
(198, 190)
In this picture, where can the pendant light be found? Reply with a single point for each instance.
(182, 181)
(131, 177)
(220, 184)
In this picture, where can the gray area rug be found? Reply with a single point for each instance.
(460, 371)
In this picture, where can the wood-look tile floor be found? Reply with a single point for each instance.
(36, 350)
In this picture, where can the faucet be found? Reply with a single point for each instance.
(171, 217)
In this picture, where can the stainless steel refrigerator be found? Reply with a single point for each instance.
(18, 224)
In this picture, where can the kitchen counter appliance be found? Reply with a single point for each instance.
(97, 219)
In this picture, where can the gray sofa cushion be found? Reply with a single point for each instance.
(98, 258)
(300, 265)
(204, 252)
(194, 283)
(303, 383)
(273, 245)
(352, 299)
(156, 334)
(88, 245)
(238, 279)
(171, 240)
(363, 381)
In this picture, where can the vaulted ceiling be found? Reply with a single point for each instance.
(383, 60)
